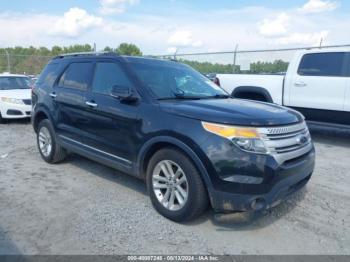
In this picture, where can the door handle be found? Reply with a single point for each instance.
(92, 104)
(53, 95)
(299, 84)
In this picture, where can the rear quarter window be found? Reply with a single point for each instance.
(49, 75)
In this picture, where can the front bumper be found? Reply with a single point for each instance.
(14, 111)
(287, 179)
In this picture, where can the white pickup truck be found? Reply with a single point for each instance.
(317, 84)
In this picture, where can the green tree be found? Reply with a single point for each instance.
(128, 49)
(108, 49)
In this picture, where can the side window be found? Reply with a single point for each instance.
(77, 76)
(48, 75)
(322, 64)
(106, 76)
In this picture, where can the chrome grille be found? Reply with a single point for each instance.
(287, 142)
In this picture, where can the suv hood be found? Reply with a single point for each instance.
(16, 93)
(233, 112)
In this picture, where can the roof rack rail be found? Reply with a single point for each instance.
(168, 58)
(85, 53)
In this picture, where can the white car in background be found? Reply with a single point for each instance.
(15, 96)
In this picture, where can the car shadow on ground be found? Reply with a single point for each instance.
(246, 221)
(330, 136)
(108, 173)
(232, 221)
(238, 221)
(7, 246)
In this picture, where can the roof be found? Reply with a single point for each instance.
(325, 50)
(108, 55)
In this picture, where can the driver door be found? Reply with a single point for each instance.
(114, 124)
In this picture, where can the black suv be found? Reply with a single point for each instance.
(164, 122)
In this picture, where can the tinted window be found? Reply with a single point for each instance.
(77, 76)
(171, 80)
(106, 76)
(48, 75)
(12, 82)
(322, 64)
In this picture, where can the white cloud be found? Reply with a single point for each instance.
(183, 38)
(317, 6)
(301, 38)
(74, 22)
(292, 28)
(274, 27)
(152, 33)
(112, 7)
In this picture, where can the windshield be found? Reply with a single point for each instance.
(170, 80)
(12, 82)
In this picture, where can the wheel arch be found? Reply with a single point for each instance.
(40, 115)
(257, 90)
(155, 144)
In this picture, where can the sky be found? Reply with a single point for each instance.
(164, 26)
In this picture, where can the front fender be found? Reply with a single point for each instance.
(177, 143)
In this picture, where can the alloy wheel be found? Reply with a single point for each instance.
(170, 185)
(45, 141)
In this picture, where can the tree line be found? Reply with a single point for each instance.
(31, 60)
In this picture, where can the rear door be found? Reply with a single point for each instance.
(320, 82)
(70, 101)
(319, 86)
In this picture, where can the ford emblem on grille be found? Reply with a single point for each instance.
(301, 139)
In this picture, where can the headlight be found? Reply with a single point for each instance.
(246, 138)
(12, 100)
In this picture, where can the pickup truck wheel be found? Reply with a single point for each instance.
(49, 150)
(176, 188)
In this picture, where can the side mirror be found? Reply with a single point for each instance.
(123, 93)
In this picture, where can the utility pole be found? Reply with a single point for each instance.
(8, 61)
(95, 47)
(321, 42)
(177, 49)
(234, 59)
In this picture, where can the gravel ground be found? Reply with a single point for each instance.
(81, 207)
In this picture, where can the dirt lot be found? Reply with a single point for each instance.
(80, 207)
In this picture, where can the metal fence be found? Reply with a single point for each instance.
(236, 61)
(22, 64)
(243, 61)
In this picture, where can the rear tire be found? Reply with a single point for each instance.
(179, 204)
(48, 147)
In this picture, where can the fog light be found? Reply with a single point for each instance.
(258, 204)
(244, 179)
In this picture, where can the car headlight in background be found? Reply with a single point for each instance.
(12, 100)
(246, 138)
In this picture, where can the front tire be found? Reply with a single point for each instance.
(175, 186)
(49, 150)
